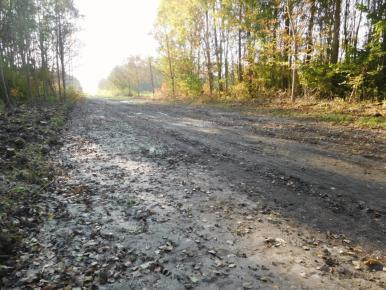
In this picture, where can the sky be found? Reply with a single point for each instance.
(111, 31)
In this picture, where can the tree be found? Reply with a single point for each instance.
(336, 32)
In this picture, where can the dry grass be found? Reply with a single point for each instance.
(338, 111)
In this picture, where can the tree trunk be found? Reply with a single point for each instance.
(27, 75)
(61, 54)
(295, 51)
(310, 31)
(286, 48)
(336, 33)
(240, 65)
(4, 85)
(218, 50)
(171, 71)
(43, 57)
(151, 76)
(226, 64)
(58, 71)
(250, 59)
(345, 28)
(357, 32)
(208, 56)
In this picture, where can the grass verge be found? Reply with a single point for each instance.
(363, 114)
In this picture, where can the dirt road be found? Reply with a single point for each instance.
(155, 196)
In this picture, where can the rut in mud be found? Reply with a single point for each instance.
(170, 197)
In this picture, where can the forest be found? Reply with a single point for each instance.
(248, 49)
(37, 45)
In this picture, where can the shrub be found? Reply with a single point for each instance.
(240, 91)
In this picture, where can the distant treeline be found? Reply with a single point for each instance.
(135, 76)
(248, 48)
(37, 44)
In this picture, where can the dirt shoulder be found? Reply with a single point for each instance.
(27, 135)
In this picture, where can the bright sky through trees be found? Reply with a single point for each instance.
(112, 30)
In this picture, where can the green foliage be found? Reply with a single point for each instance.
(327, 81)
(189, 85)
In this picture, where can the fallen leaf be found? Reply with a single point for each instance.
(275, 242)
(247, 285)
(374, 265)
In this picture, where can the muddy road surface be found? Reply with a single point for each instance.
(155, 196)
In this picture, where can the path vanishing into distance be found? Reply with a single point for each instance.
(160, 196)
